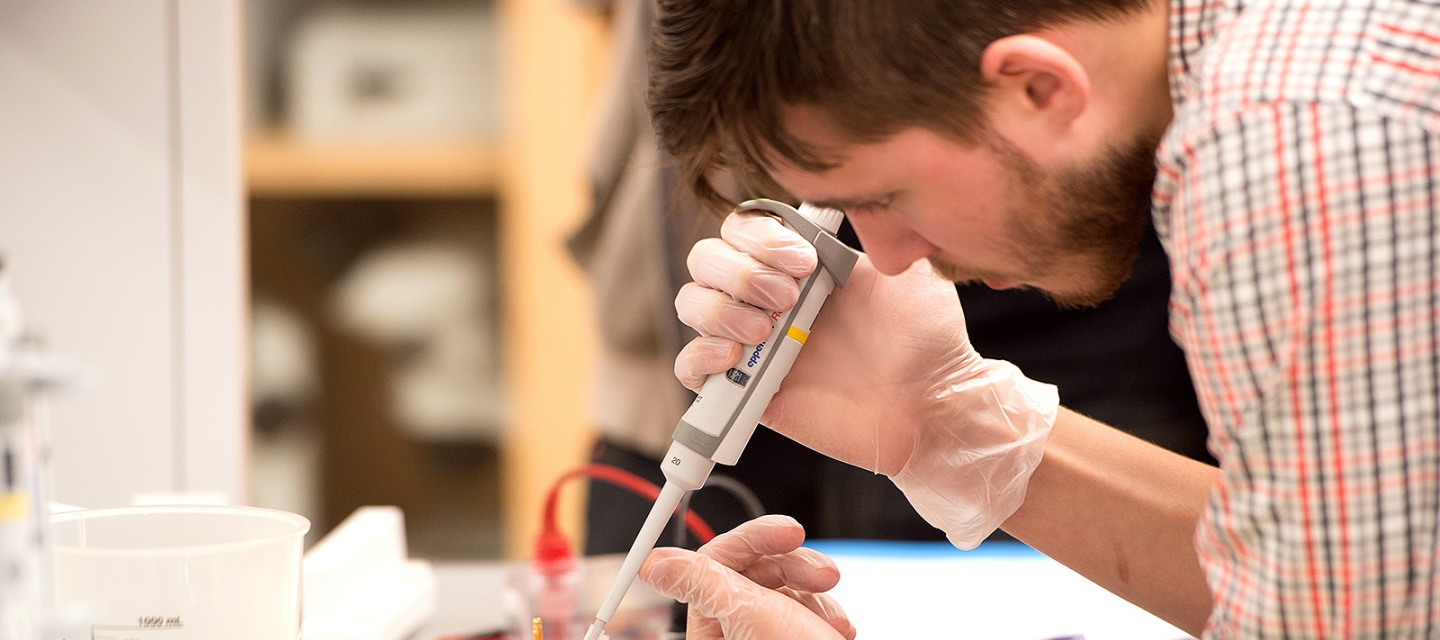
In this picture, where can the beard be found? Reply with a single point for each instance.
(1080, 225)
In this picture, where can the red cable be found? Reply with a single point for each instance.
(551, 547)
(553, 558)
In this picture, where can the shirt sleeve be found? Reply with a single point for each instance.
(1303, 241)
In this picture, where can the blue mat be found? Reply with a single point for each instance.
(898, 549)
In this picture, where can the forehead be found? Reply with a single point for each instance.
(853, 162)
(869, 170)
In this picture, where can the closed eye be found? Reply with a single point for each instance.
(869, 206)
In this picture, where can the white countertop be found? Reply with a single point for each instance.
(901, 590)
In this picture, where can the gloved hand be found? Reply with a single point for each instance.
(887, 380)
(754, 582)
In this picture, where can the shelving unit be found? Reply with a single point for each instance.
(281, 166)
(553, 55)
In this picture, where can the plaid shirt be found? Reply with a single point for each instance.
(1297, 198)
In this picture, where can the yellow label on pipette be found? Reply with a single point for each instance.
(797, 334)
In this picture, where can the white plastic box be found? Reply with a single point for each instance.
(388, 73)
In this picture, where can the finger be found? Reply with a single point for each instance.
(767, 535)
(764, 237)
(743, 609)
(711, 589)
(719, 265)
(826, 608)
(715, 313)
(767, 550)
(702, 357)
(802, 569)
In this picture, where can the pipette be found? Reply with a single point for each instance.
(719, 423)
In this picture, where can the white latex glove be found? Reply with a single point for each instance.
(887, 380)
(754, 582)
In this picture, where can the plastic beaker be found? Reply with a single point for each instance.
(180, 572)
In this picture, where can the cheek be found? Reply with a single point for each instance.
(962, 221)
(964, 206)
(961, 201)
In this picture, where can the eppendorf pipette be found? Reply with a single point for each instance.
(718, 424)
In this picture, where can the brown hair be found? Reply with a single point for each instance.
(720, 71)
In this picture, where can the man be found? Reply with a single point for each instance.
(1114, 362)
(1288, 150)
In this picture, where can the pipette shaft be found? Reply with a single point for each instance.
(665, 505)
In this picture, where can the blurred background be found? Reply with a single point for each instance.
(417, 336)
(312, 251)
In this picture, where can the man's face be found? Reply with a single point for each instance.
(985, 212)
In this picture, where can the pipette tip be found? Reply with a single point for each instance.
(596, 630)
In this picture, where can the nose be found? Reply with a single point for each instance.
(891, 244)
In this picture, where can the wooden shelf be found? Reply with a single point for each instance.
(279, 165)
(553, 57)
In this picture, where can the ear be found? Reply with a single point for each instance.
(1037, 88)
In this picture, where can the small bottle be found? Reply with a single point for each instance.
(27, 375)
(531, 593)
(24, 571)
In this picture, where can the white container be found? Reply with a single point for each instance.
(395, 72)
(181, 572)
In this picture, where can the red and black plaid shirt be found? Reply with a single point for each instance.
(1297, 198)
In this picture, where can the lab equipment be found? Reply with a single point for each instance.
(27, 375)
(23, 578)
(361, 584)
(555, 585)
(181, 572)
(398, 71)
(643, 616)
(24, 610)
(719, 423)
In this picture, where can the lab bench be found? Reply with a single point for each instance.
(1000, 591)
